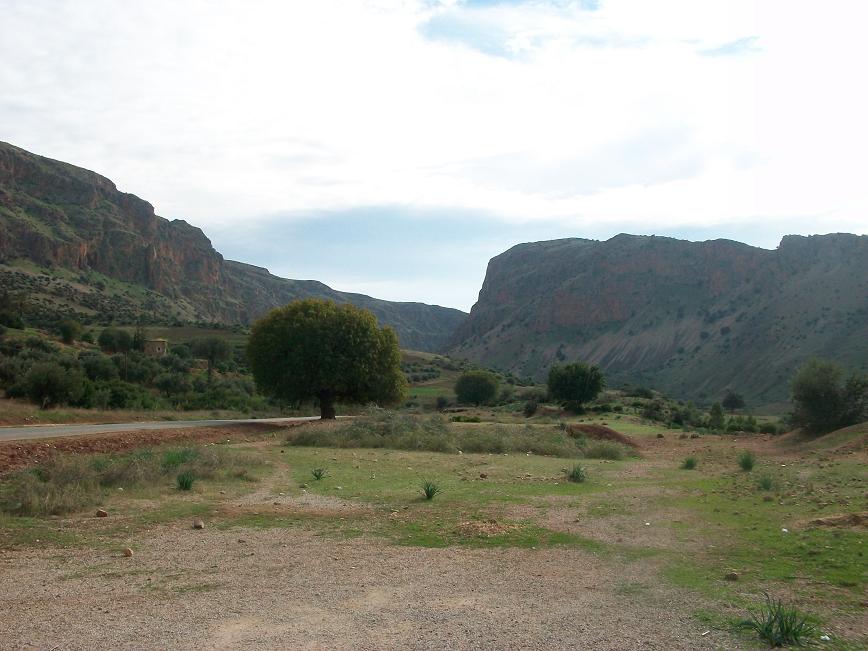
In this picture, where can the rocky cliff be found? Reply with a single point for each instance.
(691, 318)
(91, 235)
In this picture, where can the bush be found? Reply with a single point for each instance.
(442, 402)
(769, 428)
(765, 482)
(530, 408)
(49, 383)
(605, 450)
(577, 474)
(70, 330)
(318, 473)
(115, 340)
(476, 387)
(185, 480)
(690, 463)
(716, 419)
(778, 625)
(746, 461)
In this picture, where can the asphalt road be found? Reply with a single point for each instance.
(51, 431)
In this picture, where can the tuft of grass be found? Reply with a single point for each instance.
(690, 463)
(746, 460)
(185, 480)
(766, 483)
(430, 489)
(778, 625)
(577, 474)
(605, 450)
(318, 473)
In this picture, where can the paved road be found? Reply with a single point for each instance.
(50, 431)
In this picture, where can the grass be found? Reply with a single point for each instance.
(69, 483)
(430, 489)
(577, 474)
(318, 473)
(605, 450)
(746, 461)
(779, 625)
(689, 463)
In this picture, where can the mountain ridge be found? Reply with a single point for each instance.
(54, 214)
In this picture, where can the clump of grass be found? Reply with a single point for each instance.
(70, 482)
(746, 460)
(779, 625)
(380, 428)
(766, 483)
(690, 463)
(185, 480)
(605, 450)
(318, 473)
(577, 474)
(430, 489)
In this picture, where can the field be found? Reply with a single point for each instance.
(508, 555)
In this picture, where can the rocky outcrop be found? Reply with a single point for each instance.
(57, 215)
(692, 318)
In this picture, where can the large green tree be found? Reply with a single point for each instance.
(476, 387)
(824, 400)
(573, 385)
(212, 349)
(315, 349)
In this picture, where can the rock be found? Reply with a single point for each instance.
(198, 524)
(659, 435)
(731, 576)
(101, 513)
(482, 475)
(767, 498)
(128, 552)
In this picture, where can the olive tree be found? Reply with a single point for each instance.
(824, 400)
(475, 387)
(318, 350)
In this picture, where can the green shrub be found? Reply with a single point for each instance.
(49, 383)
(430, 489)
(476, 387)
(185, 480)
(577, 474)
(765, 482)
(318, 473)
(746, 460)
(690, 463)
(778, 625)
(769, 428)
(605, 450)
(530, 407)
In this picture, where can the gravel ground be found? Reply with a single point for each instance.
(290, 589)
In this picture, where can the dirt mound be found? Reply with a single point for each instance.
(484, 528)
(602, 433)
(848, 439)
(20, 454)
(845, 520)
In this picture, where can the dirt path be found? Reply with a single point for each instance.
(289, 589)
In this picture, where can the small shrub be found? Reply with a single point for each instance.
(746, 461)
(430, 489)
(605, 450)
(779, 625)
(689, 463)
(442, 403)
(577, 474)
(185, 480)
(769, 428)
(530, 407)
(318, 473)
(766, 483)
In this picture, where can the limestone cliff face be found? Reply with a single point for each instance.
(58, 215)
(691, 318)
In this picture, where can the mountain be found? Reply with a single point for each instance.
(690, 318)
(75, 244)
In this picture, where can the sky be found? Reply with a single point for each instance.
(392, 147)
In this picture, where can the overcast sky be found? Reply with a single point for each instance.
(392, 147)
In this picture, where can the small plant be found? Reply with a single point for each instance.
(430, 489)
(605, 450)
(766, 483)
(690, 463)
(577, 474)
(185, 480)
(779, 625)
(746, 461)
(318, 473)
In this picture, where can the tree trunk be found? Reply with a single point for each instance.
(326, 408)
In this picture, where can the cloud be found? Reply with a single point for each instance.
(739, 46)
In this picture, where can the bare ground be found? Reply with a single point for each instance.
(290, 589)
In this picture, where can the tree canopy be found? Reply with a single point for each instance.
(732, 401)
(475, 387)
(824, 401)
(316, 349)
(573, 385)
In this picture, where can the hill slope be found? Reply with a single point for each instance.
(75, 243)
(690, 318)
